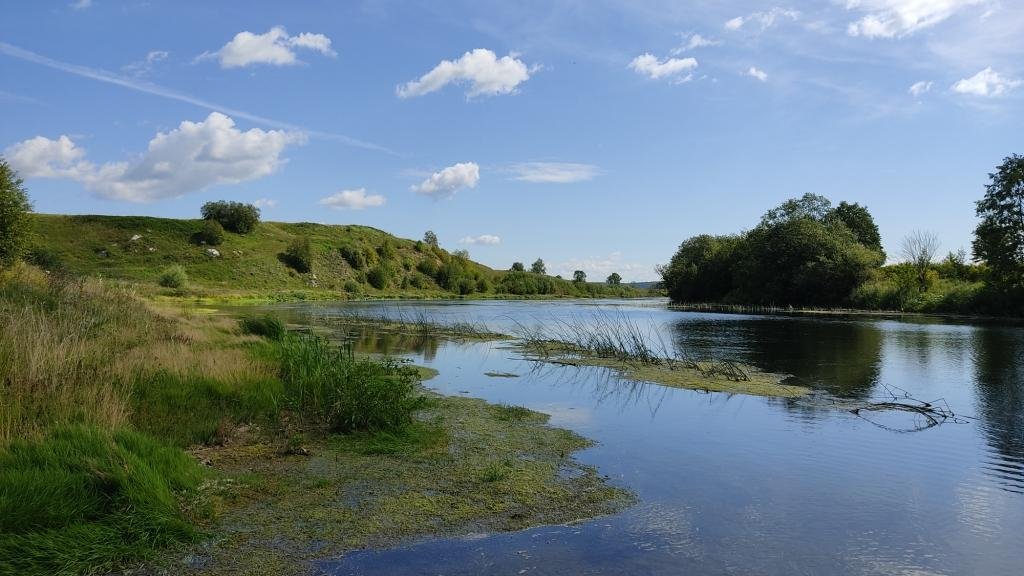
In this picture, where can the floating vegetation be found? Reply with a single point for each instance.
(417, 323)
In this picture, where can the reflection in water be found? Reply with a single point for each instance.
(999, 364)
(840, 357)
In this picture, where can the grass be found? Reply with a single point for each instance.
(268, 326)
(418, 323)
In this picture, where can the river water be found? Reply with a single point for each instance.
(731, 484)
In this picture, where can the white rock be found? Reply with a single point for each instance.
(213, 252)
(135, 238)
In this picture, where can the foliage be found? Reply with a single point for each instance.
(212, 233)
(579, 276)
(355, 257)
(702, 268)
(538, 267)
(861, 223)
(999, 237)
(299, 254)
(15, 219)
(345, 393)
(517, 267)
(236, 217)
(429, 238)
(173, 276)
(267, 325)
(614, 279)
(918, 249)
(386, 250)
(379, 277)
(523, 283)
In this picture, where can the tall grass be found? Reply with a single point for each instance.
(344, 393)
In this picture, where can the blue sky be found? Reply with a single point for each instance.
(594, 134)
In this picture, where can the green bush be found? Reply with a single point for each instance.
(379, 277)
(352, 287)
(428, 266)
(173, 277)
(15, 216)
(212, 233)
(354, 256)
(44, 258)
(234, 216)
(344, 393)
(268, 326)
(83, 500)
(299, 254)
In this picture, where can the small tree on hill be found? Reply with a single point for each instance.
(233, 216)
(15, 215)
(999, 237)
(579, 276)
(538, 267)
(299, 254)
(518, 267)
(430, 238)
(614, 279)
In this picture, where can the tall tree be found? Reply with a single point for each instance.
(579, 276)
(538, 267)
(15, 215)
(919, 248)
(518, 267)
(999, 237)
(860, 222)
(614, 279)
(430, 238)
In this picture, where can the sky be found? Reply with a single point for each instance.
(594, 134)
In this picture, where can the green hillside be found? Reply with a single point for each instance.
(347, 261)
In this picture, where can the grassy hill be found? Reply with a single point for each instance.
(347, 261)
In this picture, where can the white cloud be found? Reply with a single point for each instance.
(447, 182)
(485, 239)
(80, 4)
(650, 66)
(764, 20)
(486, 74)
(754, 72)
(988, 82)
(918, 88)
(897, 18)
(553, 172)
(599, 268)
(274, 47)
(145, 66)
(353, 200)
(693, 42)
(193, 156)
(265, 203)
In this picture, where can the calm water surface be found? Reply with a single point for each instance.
(744, 485)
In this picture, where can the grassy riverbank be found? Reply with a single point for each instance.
(134, 434)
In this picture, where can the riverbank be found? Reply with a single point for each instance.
(162, 436)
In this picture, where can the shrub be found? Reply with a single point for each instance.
(344, 393)
(173, 277)
(465, 286)
(299, 254)
(386, 250)
(15, 216)
(212, 233)
(268, 326)
(428, 266)
(44, 258)
(379, 277)
(351, 286)
(417, 281)
(354, 256)
(482, 285)
(234, 216)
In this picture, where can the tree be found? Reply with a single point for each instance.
(702, 269)
(860, 222)
(464, 254)
(614, 279)
(430, 238)
(518, 267)
(809, 206)
(579, 276)
(15, 215)
(999, 237)
(919, 249)
(233, 216)
(538, 267)
(299, 254)
(212, 233)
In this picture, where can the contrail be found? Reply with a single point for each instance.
(157, 90)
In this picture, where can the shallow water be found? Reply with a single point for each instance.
(741, 485)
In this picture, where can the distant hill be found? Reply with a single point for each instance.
(355, 260)
(652, 285)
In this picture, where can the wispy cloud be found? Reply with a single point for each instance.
(762, 20)
(674, 68)
(918, 88)
(163, 92)
(553, 172)
(755, 72)
(484, 239)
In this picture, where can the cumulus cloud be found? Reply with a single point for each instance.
(192, 157)
(693, 42)
(987, 83)
(754, 72)
(485, 239)
(599, 268)
(553, 172)
(918, 88)
(265, 203)
(353, 200)
(650, 66)
(896, 18)
(762, 20)
(486, 74)
(447, 182)
(273, 47)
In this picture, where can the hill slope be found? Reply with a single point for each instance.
(346, 260)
